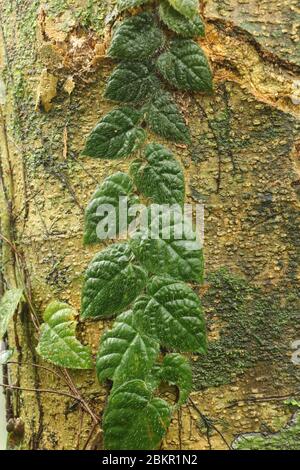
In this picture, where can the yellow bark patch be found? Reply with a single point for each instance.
(47, 90)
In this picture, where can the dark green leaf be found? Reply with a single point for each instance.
(159, 176)
(131, 82)
(116, 135)
(112, 281)
(171, 313)
(8, 306)
(127, 4)
(188, 28)
(137, 38)
(165, 119)
(185, 66)
(188, 8)
(108, 193)
(134, 419)
(169, 246)
(58, 343)
(125, 353)
(176, 370)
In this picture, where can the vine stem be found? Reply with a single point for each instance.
(208, 422)
(89, 436)
(76, 397)
(38, 366)
(79, 397)
(40, 390)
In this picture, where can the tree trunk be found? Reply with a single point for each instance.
(243, 164)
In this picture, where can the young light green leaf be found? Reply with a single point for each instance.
(108, 194)
(8, 306)
(171, 313)
(58, 343)
(127, 4)
(131, 82)
(176, 370)
(112, 281)
(188, 8)
(159, 176)
(165, 119)
(125, 353)
(134, 419)
(137, 38)
(185, 27)
(116, 135)
(169, 245)
(185, 66)
(5, 356)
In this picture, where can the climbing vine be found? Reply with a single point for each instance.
(143, 281)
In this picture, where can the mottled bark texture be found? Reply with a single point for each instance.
(243, 163)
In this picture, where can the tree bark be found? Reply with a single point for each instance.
(243, 164)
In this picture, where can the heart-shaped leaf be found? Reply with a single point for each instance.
(171, 313)
(188, 8)
(185, 66)
(58, 343)
(165, 119)
(125, 353)
(159, 176)
(134, 419)
(185, 27)
(116, 135)
(137, 38)
(8, 306)
(131, 82)
(108, 196)
(112, 281)
(176, 370)
(127, 4)
(169, 245)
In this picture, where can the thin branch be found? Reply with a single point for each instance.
(209, 422)
(89, 436)
(40, 390)
(262, 399)
(80, 398)
(38, 366)
(179, 428)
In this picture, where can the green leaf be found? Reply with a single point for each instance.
(137, 38)
(131, 82)
(112, 281)
(58, 343)
(185, 66)
(169, 246)
(171, 313)
(8, 306)
(188, 8)
(125, 353)
(127, 4)
(176, 370)
(159, 176)
(188, 28)
(5, 356)
(108, 193)
(134, 419)
(116, 135)
(165, 119)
